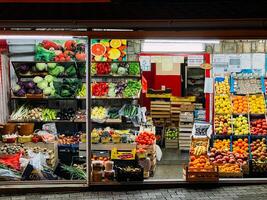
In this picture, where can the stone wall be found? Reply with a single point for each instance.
(238, 47)
(134, 48)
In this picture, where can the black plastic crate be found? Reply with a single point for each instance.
(127, 176)
(257, 170)
(67, 152)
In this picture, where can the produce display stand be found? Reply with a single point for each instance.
(32, 140)
(250, 80)
(115, 150)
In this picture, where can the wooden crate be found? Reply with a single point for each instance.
(150, 149)
(199, 176)
(171, 144)
(160, 109)
(152, 171)
(187, 107)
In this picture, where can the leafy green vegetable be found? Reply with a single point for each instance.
(43, 54)
(114, 68)
(65, 93)
(122, 71)
(42, 84)
(51, 65)
(37, 79)
(75, 172)
(132, 88)
(71, 71)
(111, 90)
(49, 78)
(47, 91)
(41, 66)
(68, 87)
(56, 71)
(134, 69)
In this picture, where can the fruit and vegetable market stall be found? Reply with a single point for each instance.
(103, 120)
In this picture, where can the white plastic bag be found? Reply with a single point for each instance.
(158, 153)
(50, 127)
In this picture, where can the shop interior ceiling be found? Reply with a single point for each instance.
(142, 14)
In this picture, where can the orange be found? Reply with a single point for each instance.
(98, 49)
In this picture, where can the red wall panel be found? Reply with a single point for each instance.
(170, 81)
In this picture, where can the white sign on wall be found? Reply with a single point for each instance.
(145, 63)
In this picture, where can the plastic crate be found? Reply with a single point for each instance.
(123, 176)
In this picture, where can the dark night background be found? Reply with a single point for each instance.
(138, 9)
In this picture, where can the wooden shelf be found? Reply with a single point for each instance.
(112, 98)
(49, 98)
(39, 121)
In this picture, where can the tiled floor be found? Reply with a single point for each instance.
(171, 164)
(250, 192)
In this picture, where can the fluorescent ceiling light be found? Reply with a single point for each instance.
(184, 41)
(99, 29)
(172, 47)
(49, 37)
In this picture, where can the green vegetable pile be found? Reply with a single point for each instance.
(129, 111)
(172, 133)
(49, 114)
(113, 113)
(111, 90)
(75, 172)
(43, 54)
(134, 69)
(132, 89)
(67, 87)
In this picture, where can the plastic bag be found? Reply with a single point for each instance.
(38, 160)
(45, 135)
(143, 114)
(158, 153)
(50, 127)
(8, 175)
(11, 161)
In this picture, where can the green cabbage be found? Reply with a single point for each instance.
(16, 88)
(51, 65)
(114, 68)
(56, 71)
(47, 91)
(37, 79)
(122, 71)
(41, 66)
(49, 78)
(42, 84)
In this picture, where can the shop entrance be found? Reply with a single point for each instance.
(125, 112)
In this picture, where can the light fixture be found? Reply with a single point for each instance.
(172, 47)
(183, 41)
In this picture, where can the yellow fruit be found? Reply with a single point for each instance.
(124, 42)
(114, 54)
(115, 43)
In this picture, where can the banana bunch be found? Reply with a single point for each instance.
(199, 150)
(82, 91)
